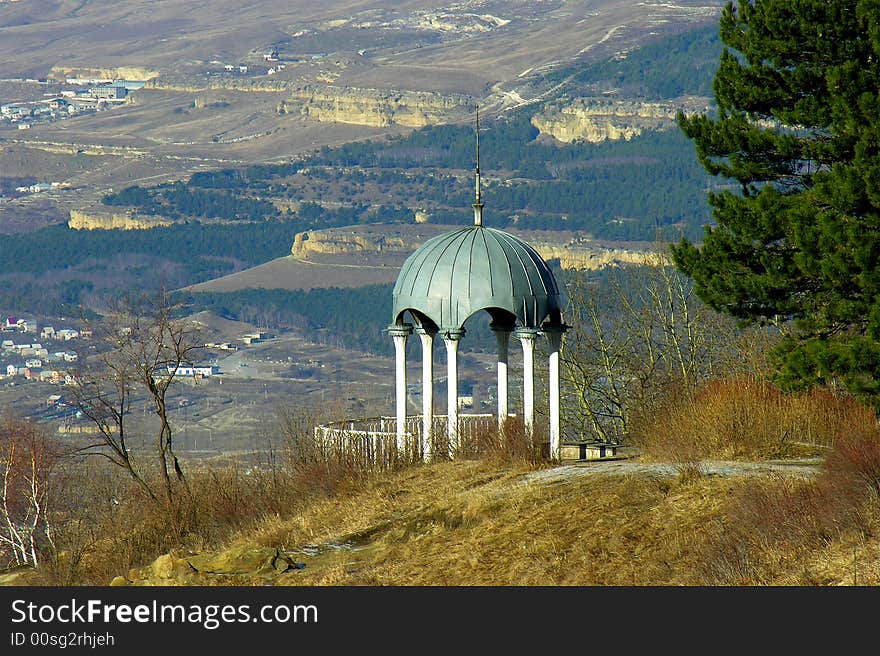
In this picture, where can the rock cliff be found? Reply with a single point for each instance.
(100, 220)
(328, 242)
(580, 256)
(193, 83)
(116, 73)
(598, 119)
(374, 107)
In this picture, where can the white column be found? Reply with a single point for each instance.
(400, 333)
(502, 334)
(554, 336)
(427, 444)
(451, 339)
(527, 339)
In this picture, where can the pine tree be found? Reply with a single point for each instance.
(797, 137)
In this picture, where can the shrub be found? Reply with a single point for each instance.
(745, 418)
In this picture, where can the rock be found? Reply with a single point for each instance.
(330, 242)
(97, 220)
(117, 73)
(376, 107)
(166, 566)
(163, 566)
(17, 575)
(598, 119)
(240, 560)
(572, 255)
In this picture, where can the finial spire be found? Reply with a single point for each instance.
(478, 203)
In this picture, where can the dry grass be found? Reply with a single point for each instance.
(474, 522)
(489, 521)
(746, 418)
(805, 532)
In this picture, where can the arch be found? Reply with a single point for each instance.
(421, 320)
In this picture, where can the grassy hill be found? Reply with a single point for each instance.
(751, 488)
(473, 523)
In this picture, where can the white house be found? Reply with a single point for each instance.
(194, 371)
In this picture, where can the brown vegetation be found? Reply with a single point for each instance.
(490, 520)
(747, 418)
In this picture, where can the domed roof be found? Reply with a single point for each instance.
(476, 268)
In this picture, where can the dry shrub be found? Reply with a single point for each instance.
(855, 461)
(512, 445)
(774, 523)
(744, 418)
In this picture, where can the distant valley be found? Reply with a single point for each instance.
(276, 163)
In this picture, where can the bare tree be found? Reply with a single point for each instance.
(27, 463)
(142, 348)
(639, 334)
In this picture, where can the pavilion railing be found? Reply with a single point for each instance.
(372, 441)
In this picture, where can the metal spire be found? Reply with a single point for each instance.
(478, 203)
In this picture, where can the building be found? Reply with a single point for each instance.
(12, 111)
(108, 92)
(14, 323)
(130, 85)
(441, 285)
(194, 371)
(51, 376)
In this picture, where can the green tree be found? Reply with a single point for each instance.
(797, 134)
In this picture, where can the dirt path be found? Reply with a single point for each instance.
(804, 468)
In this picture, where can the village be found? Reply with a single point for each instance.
(22, 358)
(39, 361)
(82, 96)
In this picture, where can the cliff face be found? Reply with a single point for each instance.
(331, 103)
(592, 258)
(326, 242)
(118, 73)
(97, 220)
(181, 82)
(571, 256)
(598, 119)
(374, 107)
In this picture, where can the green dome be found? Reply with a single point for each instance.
(456, 274)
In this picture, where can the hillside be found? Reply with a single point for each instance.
(230, 85)
(473, 523)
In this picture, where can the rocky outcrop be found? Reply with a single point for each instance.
(328, 242)
(574, 255)
(246, 563)
(81, 148)
(98, 220)
(592, 258)
(115, 73)
(331, 103)
(597, 119)
(194, 83)
(374, 107)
